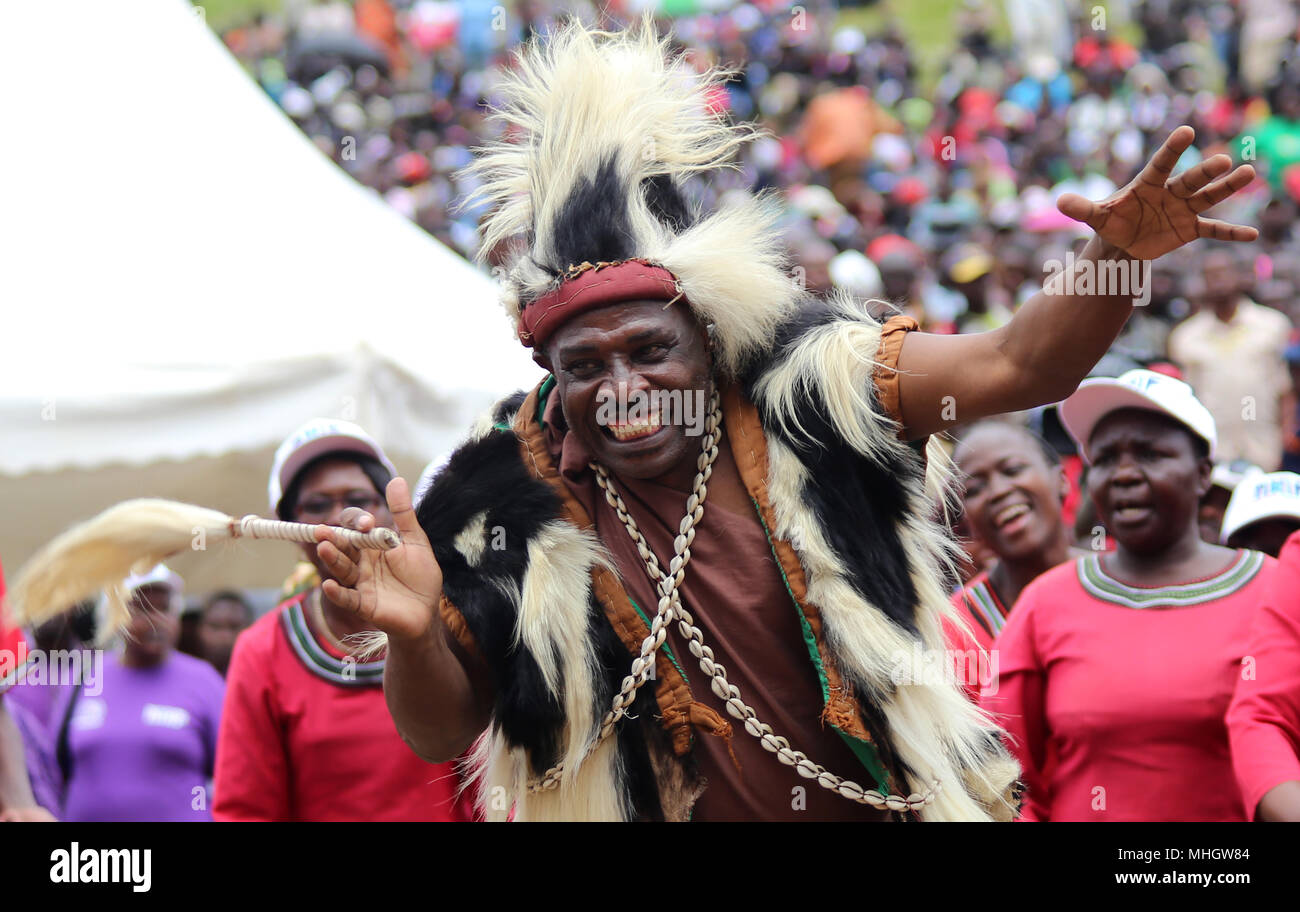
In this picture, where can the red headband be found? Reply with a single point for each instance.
(591, 286)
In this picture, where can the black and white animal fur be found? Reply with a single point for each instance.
(606, 129)
(850, 498)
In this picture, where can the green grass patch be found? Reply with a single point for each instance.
(226, 14)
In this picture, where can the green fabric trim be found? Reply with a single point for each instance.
(667, 649)
(547, 385)
(1101, 585)
(867, 756)
(543, 392)
(322, 663)
(809, 640)
(863, 750)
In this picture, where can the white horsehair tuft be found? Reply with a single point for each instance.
(584, 97)
(100, 553)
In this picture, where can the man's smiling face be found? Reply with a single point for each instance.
(631, 351)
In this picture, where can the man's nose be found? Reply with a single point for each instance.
(625, 377)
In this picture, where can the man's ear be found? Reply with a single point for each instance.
(540, 359)
(1063, 483)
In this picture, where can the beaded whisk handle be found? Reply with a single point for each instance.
(254, 526)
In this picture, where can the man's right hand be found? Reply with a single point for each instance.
(397, 591)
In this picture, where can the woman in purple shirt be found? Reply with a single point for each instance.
(139, 743)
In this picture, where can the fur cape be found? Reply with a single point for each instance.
(530, 591)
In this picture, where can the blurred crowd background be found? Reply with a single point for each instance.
(919, 149)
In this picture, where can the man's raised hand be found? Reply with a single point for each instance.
(1156, 213)
(397, 591)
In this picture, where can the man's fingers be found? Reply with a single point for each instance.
(1221, 189)
(342, 567)
(345, 598)
(1162, 164)
(399, 504)
(356, 518)
(330, 534)
(1224, 231)
(1081, 209)
(1193, 179)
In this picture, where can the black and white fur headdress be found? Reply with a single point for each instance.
(602, 129)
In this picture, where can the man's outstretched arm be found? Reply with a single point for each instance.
(1057, 337)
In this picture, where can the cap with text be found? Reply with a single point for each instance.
(1260, 496)
(1141, 389)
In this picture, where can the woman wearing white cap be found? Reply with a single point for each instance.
(306, 733)
(1116, 669)
(137, 736)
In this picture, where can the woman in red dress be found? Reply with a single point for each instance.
(305, 731)
(1116, 669)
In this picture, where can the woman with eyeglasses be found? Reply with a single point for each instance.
(306, 733)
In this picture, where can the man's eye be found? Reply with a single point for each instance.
(654, 350)
(583, 368)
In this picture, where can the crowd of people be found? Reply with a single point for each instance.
(1158, 504)
(937, 195)
(269, 719)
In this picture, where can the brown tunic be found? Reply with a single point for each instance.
(736, 593)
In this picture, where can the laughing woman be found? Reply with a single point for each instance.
(1012, 490)
(1117, 669)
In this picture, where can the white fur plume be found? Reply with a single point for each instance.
(99, 554)
(579, 96)
(580, 100)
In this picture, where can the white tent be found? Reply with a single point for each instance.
(185, 278)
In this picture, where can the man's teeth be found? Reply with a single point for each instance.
(633, 430)
(1007, 514)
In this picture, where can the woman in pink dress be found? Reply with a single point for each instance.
(1116, 669)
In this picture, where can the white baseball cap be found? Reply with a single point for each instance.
(1143, 389)
(315, 438)
(856, 274)
(1271, 495)
(1228, 475)
(159, 575)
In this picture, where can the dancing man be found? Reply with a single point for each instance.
(697, 572)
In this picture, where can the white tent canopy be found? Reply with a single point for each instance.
(185, 277)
